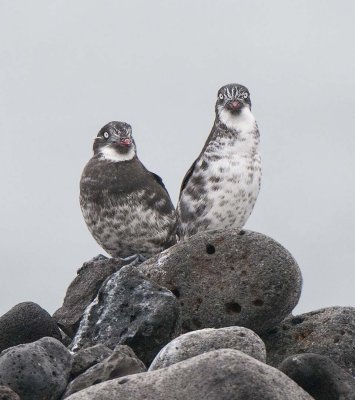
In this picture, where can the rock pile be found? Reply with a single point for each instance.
(209, 318)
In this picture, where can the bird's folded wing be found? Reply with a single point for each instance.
(187, 177)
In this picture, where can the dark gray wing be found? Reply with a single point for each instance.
(158, 179)
(160, 182)
(187, 177)
(191, 169)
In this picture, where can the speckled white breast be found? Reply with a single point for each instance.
(128, 228)
(232, 199)
(227, 179)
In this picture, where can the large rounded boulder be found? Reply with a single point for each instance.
(194, 343)
(224, 374)
(25, 323)
(227, 278)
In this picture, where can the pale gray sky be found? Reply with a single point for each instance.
(68, 67)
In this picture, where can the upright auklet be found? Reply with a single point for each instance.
(221, 187)
(126, 208)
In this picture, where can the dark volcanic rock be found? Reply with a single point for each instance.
(66, 340)
(198, 342)
(223, 278)
(7, 394)
(38, 370)
(83, 290)
(25, 323)
(86, 358)
(122, 362)
(224, 374)
(130, 309)
(319, 376)
(328, 332)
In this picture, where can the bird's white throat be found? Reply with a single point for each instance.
(110, 154)
(244, 121)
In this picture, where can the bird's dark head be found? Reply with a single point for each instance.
(232, 100)
(114, 142)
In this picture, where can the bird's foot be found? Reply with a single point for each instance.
(99, 257)
(142, 258)
(135, 259)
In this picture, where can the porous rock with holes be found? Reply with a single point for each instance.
(224, 278)
(24, 323)
(38, 370)
(328, 332)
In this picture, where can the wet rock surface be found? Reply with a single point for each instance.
(83, 290)
(24, 323)
(7, 394)
(223, 278)
(328, 332)
(224, 374)
(131, 310)
(121, 362)
(86, 358)
(198, 342)
(38, 370)
(319, 376)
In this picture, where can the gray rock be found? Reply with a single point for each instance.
(38, 370)
(198, 342)
(122, 362)
(328, 332)
(83, 290)
(25, 323)
(7, 394)
(319, 376)
(86, 358)
(223, 374)
(223, 278)
(130, 310)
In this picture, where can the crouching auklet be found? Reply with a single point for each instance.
(126, 208)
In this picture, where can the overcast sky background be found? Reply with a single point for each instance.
(68, 67)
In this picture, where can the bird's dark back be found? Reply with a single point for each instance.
(120, 179)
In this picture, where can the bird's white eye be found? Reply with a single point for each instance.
(245, 95)
(221, 97)
(106, 135)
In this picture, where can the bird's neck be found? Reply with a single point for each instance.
(239, 133)
(110, 154)
(242, 122)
